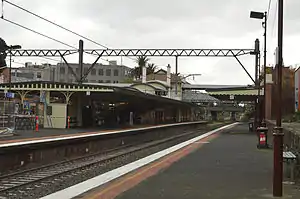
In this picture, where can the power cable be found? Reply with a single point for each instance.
(7, 20)
(269, 6)
(272, 25)
(60, 26)
(41, 34)
(274, 19)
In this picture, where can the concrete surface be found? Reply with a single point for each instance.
(230, 167)
(25, 134)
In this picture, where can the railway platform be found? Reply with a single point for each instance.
(25, 135)
(225, 165)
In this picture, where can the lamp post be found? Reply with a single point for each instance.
(261, 15)
(278, 133)
(10, 48)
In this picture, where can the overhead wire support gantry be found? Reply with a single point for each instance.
(136, 52)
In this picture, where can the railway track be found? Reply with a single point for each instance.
(20, 184)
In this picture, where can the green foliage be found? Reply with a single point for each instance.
(151, 68)
(142, 61)
(128, 80)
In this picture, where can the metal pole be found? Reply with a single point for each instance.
(10, 60)
(256, 50)
(80, 60)
(9, 90)
(176, 75)
(278, 133)
(265, 70)
(259, 98)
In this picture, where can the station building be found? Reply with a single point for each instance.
(97, 105)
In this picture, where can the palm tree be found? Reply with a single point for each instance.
(136, 72)
(151, 68)
(142, 61)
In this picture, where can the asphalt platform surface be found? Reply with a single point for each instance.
(229, 167)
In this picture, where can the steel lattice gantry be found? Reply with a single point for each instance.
(136, 52)
(129, 53)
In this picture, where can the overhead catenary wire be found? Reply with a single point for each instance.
(58, 25)
(271, 23)
(269, 7)
(41, 34)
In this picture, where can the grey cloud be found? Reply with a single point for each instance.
(153, 24)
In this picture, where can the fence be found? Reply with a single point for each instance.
(10, 117)
(7, 109)
(291, 142)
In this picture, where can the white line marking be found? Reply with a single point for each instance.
(97, 181)
(199, 142)
(94, 134)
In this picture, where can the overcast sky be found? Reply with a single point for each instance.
(159, 24)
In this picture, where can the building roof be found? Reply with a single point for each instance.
(120, 85)
(193, 96)
(155, 97)
(251, 92)
(163, 83)
(212, 86)
(161, 75)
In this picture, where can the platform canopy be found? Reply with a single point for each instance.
(236, 94)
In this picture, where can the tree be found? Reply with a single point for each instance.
(3, 47)
(151, 68)
(142, 61)
(128, 80)
(136, 72)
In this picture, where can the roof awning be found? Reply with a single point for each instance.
(251, 92)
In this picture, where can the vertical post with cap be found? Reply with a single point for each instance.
(81, 61)
(256, 109)
(176, 76)
(278, 131)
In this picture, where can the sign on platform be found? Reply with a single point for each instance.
(9, 95)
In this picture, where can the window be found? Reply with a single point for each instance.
(161, 93)
(107, 81)
(116, 72)
(100, 81)
(25, 75)
(62, 70)
(38, 75)
(93, 72)
(108, 72)
(100, 72)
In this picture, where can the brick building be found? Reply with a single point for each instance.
(288, 92)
